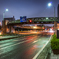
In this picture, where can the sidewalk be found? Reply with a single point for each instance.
(53, 56)
(8, 37)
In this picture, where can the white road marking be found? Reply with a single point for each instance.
(36, 41)
(11, 43)
(18, 40)
(16, 44)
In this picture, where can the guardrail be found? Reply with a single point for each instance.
(43, 53)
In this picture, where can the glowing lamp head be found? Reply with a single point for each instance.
(6, 9)
(49, 4)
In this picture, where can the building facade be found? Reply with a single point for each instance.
(5, 22)
(58, 11)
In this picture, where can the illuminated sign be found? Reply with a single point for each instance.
(23, 19)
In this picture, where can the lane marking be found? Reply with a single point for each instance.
(36, 40)
(17, 43)
(13, 41)
(9, 43)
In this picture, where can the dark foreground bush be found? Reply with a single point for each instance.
(54, 42)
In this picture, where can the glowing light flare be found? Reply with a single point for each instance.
(6, 10)
(0, 23)
(43, 27)
(49, 4)
(58, 28)
(0, 33)
(34, 27)
(51, 30)
(13, 31)
(7, 30)
(46, 17)
(30, 21)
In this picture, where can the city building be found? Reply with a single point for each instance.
(58, 11)
(5, 22)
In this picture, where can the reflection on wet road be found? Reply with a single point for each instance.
(22, 48)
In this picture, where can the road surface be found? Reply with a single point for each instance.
(22, 48)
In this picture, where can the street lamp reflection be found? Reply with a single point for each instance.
(0, 33)
(34, 27)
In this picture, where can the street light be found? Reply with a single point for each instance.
(50, 4)
(6, 9)
(3, 18)
(55, 23)
(4, 13)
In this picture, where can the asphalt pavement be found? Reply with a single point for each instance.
(22, 48)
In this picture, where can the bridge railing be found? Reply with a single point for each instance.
(40, 19)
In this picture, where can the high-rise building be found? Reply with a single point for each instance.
(58, 11)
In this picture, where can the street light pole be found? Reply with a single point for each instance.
(50, 4)
(3, 20)
(54, 12)
(55, 23)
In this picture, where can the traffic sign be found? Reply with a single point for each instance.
(22, 18)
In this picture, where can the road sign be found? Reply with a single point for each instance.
(23, 19)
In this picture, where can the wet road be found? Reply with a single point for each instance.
(22, 48)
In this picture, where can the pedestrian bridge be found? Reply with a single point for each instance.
(36, 20)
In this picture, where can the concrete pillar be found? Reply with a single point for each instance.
(4, 26)
(9, 29)
(5, 29)
(55, 26)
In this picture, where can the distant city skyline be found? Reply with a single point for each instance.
(29, 8)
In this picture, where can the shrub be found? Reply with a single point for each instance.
(54, 42)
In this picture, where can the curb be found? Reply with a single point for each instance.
(8, 38)
(13, 37)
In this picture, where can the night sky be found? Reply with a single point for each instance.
(29, 8)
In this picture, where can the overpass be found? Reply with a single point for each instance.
(35, 20)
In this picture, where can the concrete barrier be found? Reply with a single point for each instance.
(43, 53)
